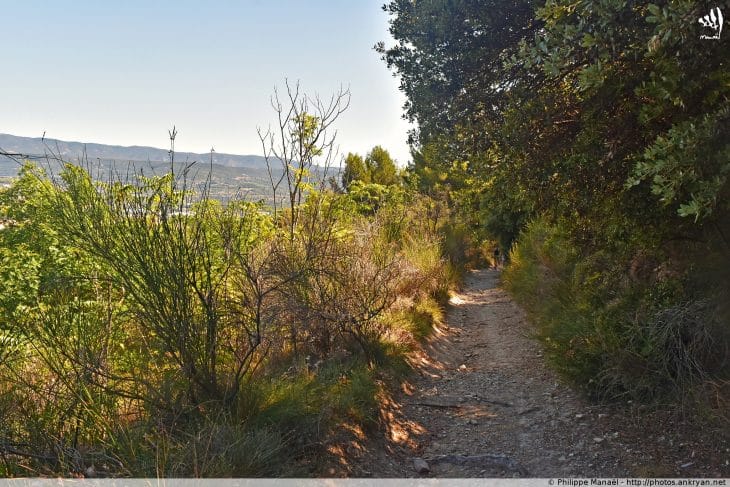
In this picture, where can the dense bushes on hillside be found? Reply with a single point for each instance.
(593, 134)
(149, 330)
(622, 326)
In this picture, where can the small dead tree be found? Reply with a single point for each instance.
(302, 140)
(299, 152)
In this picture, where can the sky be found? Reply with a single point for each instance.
(125, 72)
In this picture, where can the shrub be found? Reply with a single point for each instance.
(612, 333)
(149, 330)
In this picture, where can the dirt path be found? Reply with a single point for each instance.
(486, 405)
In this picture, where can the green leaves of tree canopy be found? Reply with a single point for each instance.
(449, 58)
(355, 170)
(670, 163)
(588, 107)
(377, 167)
(647, 92)
(381, 167)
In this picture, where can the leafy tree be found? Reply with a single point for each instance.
(449, 58)
(381, 167)
(663, 84)
(377, 167)
(355, 170)
(580, 109)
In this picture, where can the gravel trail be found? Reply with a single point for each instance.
(485, 404)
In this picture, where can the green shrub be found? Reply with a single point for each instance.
(423, 317)
(611, 331)
(151, 331)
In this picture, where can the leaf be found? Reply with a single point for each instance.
(689, 209)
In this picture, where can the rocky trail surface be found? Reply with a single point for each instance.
(485, 404)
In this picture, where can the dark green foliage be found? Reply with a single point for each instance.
(449, 57)
(640, 335)
(605, 125)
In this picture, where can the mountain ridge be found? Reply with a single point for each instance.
(230, 175)
(38, 146)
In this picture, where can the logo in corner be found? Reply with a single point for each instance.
(712, 21)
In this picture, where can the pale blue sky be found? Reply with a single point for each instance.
(124, 72)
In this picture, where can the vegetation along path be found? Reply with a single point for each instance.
(484, 404)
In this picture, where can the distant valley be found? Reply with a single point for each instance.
(73, 151)
(231, 174)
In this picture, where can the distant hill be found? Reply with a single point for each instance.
(230, 174)
(74, 151)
